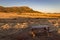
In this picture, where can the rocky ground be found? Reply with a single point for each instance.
(26, 36)
(24, 33)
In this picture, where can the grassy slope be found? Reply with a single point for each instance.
(30, 15)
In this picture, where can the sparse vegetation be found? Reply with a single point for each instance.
(15, 24)
(23, 9)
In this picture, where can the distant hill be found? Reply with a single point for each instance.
(22, 9)
(26, 12)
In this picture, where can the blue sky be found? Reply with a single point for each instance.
(39, 5)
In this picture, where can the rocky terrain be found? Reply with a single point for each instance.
(15, 24)
(19, 28)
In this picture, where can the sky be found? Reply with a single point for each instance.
(52, 6)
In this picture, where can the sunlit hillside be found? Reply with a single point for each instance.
(24, 11)
(28, 15)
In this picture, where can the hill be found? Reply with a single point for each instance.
(25, 12)
(22, 9)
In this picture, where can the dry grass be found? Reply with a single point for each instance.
(29, 15)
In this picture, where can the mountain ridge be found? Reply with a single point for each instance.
(21, 9)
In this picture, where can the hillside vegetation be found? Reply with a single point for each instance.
(24, 11)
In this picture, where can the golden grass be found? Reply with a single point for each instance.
(28, 15)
